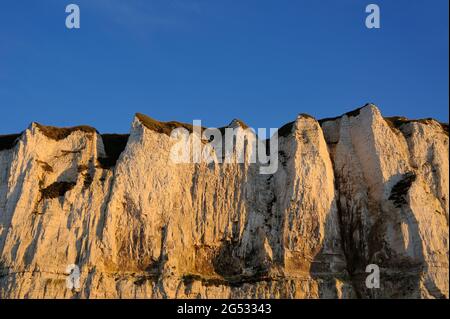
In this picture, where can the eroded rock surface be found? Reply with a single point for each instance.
(350, 191)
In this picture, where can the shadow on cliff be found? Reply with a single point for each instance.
(8, 215)
(330, 267)
(401, 270)
(239, 257)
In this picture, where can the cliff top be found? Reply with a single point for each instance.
(161, 127)
(116, 141)
(60, 133)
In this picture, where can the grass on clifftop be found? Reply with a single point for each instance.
(60, 133)
(398, 121)
(162, 127)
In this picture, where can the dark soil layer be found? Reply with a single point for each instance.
(88, 179)
(114, 146)
(234, 281)
(57, 189)
(60, 133)
(45, 166)
(398, 121)
(8, 141)
(162, 127)
(349, 114)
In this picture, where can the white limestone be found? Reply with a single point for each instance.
(348, 192)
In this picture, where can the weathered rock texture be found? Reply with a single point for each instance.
(356, 190)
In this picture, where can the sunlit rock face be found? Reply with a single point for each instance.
(350, 191)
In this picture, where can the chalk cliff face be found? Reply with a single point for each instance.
(351, 191)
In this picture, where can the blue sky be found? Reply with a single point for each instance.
(215, 60)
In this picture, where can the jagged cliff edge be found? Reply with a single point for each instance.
(350, 191)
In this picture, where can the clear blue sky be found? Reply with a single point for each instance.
(215, 60)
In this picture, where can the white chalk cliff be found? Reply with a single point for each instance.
(351, 191)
